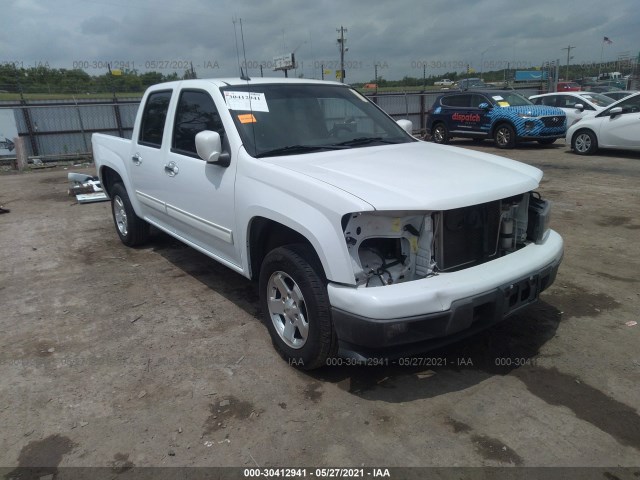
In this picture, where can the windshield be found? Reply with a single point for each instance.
(509, 99)
(287, 119)
(598, 99)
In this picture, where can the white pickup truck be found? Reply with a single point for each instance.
(445, 82)
(367, 243)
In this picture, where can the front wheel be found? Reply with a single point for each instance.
(131, 229)
(504, 136)
(440, 134)
(584, 142)
(295, 305)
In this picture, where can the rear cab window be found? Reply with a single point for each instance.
(154, 117)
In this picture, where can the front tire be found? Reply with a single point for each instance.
(131, 229)
(505, 136)
(295, 305)
(440, 134)
(584, 142)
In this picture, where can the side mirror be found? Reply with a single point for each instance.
(579, 106)
(209, 148)
(615, 111)
(406, 125)
(484, 106)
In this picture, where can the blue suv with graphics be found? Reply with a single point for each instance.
(503, 115)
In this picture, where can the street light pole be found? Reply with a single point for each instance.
(568, 49)
(482, 63)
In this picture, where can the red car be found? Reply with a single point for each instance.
(568, 87)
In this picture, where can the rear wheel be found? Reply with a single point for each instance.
(504, 136)
(131, 229)
(295, 305)
(584, 142)
(440, 133)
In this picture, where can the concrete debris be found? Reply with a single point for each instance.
(631, 323)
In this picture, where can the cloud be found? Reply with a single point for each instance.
(403, 37)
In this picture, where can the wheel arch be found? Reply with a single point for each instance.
(108, 178)
(503, 121)
(265, 234)
(579, 131)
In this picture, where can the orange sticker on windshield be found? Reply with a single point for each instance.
(247, 118)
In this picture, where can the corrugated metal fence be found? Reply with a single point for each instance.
(57, 129)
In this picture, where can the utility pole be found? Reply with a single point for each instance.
(341, 42)
(568, 49)
(375, 68)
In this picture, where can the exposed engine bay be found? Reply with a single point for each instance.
(394, 247)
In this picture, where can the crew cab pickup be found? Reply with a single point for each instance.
(366, 243)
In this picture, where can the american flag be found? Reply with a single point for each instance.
(607, 41)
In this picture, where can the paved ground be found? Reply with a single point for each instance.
(155, 356)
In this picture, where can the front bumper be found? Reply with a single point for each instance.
(416, 316)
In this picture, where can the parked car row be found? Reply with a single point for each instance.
(586, 120)
(503, 115)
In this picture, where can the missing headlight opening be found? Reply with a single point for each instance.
(395, 247)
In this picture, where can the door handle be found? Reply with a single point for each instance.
(137, 159)
(171, 169)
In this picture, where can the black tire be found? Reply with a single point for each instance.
(440, 133)
(546, 141)
(131, 229)
(584, 142)
(293, 293)
(504, 136)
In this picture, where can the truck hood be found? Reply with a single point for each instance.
(416, 176)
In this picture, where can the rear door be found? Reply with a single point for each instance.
(147, 157)
(459, 114)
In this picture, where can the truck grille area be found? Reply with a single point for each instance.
(468, 236)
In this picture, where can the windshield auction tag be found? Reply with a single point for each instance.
(247, 101)
(503, 104)
(497, 97)
(246, 118)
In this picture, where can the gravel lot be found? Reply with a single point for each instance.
(155, 356)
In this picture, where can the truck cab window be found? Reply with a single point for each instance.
(196, 112)
(153, 119)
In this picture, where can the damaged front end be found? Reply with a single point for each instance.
(394, 247)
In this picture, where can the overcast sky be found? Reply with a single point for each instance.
(401, 37)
